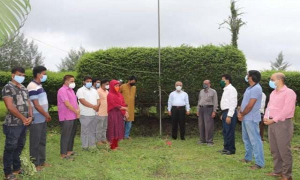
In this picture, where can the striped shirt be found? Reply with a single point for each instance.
(36, 91)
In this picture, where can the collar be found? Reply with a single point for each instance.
(227, 87)
(87, 88)
(36, 82)
(282, 89)
(13, 84)
(66, 87)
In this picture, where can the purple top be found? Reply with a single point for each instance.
(66, 94)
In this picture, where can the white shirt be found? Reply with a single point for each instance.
(90, 95)
(229, 100)
(178, 99)
(263, 103)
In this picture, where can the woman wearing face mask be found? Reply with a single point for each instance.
(68, 112)
(117, 109)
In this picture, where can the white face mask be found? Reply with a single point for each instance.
(106, 86)
(72, 85)
(178, 88)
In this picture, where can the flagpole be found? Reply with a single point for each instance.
(159, 68)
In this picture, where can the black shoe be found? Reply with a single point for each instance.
(228, 153)
(183, 139)
(174, 138)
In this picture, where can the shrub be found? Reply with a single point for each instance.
(191, 65)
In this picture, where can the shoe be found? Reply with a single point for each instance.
(244, 161)
(69, 158)
(255, 167)
(274, 174)
(21, 171)
(39, 168)
(223, 150)
(228, 153)
(10, 177)
(183, 139)
(201, 143)
(210, 144)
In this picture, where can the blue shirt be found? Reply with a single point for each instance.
(254, 92)
(37, 92)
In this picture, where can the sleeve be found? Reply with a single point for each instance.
(79, 94)
(263, 101)
(215, 101)
(6, 92)
(33, 93)
(187, 103)
(255, 93)
(233, 102)
(199, 99)
(289, 107)
(62, 94)
(97, 95)
(170, 102)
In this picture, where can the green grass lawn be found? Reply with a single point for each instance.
(150, 158)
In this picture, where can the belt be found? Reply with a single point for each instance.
(178, 107)
(225, 110)
(206, 106)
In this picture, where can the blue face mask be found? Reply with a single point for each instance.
(19, 79)
(205, 86)
(272, 84)
(246, 78)
(97, 85)
(44, 78)
(88, 85)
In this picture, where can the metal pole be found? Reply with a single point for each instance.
(159, 71)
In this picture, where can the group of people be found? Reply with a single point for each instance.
(252, 113)
(105, 110)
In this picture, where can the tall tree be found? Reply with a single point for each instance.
(279, 63)
(70, 61)
(13, 14)
(20, 52)
(234, 23)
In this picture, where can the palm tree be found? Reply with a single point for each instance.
(13, 14)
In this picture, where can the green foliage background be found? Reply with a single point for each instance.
(191, 65)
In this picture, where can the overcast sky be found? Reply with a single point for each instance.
(272, 26)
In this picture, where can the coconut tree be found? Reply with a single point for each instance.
(13, 14)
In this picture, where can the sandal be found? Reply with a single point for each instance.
(20, 171)
(10, 177)
(68, 158)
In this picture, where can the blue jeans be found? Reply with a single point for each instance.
(128, 125)
(14, 144)
(252, 142)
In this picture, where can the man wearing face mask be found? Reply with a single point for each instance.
(229, 114)
(206, 112)
(278, 117)
(96, 83)
(19, 116)
(68, 112)
(89, 103)
(38, 128)
(250, 116)
(178, 106)
(128, 91)
(102, 113)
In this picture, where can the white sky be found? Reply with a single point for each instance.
(272, 26)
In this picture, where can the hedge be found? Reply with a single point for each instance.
(51, 86)
(191, 65)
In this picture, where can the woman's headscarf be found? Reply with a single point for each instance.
(114, 98)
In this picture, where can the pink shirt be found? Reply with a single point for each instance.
(281, 105)
(103, 99)
(66, 94)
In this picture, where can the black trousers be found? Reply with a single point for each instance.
(229, 131)
(178, 118)
(14, 144)
(68, 132)
(37, 138)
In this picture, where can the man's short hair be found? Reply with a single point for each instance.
(87, 77)
(132, 78)
(95, 80)
(38, 69)
(227, 77)
(67, 77)
(17, 69)
(104, 81)
(256, 76)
